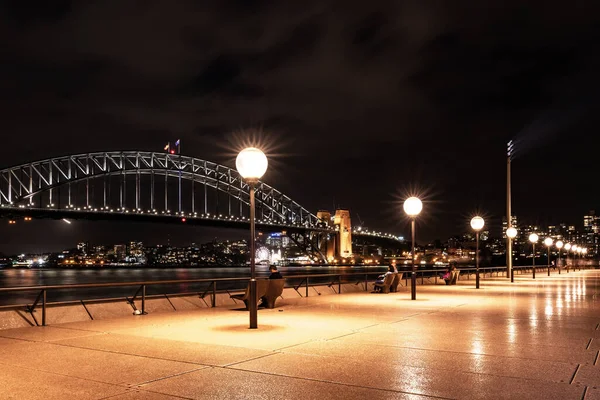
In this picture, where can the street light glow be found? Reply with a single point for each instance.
(548, 241)
(511, 232)
(568, 246)
(413, 206)
(477, 223)
(533, 238)
(251, 163)
(559, 244)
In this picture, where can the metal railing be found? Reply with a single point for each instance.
(293, 281)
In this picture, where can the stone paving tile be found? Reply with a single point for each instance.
(487, 347)
(193, 352)
(451, 361)
(593, 394)
(43, 333)
(98, 365)
(424, 381)
(137, 394)
(18, 383)
(219, 383)
(588, 375)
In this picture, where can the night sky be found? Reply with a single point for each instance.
(356, 106)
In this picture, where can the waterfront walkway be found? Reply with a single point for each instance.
(528, 340)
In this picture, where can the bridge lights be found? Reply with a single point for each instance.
(251, 164)
(412, 208)
(477, 224)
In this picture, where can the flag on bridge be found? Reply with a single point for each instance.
(167, 147)
(178, 144)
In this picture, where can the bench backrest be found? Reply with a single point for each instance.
(454, 277)
(275, 288)
(396, 281)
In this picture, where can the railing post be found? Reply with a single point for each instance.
(143, 299)
(214, 294)
(306, 286)
(366, 283)
(44, 307)
(339, 284)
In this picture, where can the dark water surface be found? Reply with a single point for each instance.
(10, 277)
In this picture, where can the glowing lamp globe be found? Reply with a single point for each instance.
(584, 250)
(574, 248)
(533, 238)
(251, 163)
(413, 206)
(477, 223)
(559, 244)
(548, 241)
(511, 232)
(568, 246)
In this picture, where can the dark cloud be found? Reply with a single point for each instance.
(366, 99)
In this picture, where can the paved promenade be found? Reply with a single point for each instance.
(529, 340)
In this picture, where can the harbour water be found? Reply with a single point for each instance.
(10, 277)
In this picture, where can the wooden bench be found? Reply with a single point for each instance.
(261, 289)
(387, 282)
(274, 290)
(453, 277)
(397, 278)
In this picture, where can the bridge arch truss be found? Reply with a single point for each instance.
(145, 182)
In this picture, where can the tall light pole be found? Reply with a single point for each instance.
(567, 248)
(559, 246)
(252, 164)
(574, 258)
(584, 252)
(511, 233)
(548, 242)
(509, 153)
(533, 238)
(477, 224)
(412, 208)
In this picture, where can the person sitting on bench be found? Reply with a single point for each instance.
(274, 275)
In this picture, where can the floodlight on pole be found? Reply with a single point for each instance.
(412, 207)
(510, 150)
(533, 238)
(477, 224)
(251, 163)
(511, 233)
(548, 242)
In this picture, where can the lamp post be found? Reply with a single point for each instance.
(567, 248)
(511, 233)
(251, 164)
(412, 208)
(584, 251)
(477, 224)
(548, 242)
(559, 246)
(574, 259)
(533, 238)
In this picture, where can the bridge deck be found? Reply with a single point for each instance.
(533, 339)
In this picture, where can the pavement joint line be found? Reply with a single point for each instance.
(585, 389)
(597, 357)
(589, 344)
(338, 383)
(278, 350)
(575, 374)
(140, 390)
(162, 378)
(247, 360)
(598, 326)
(128, 354)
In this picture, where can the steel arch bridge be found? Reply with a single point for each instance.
(151, 186)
